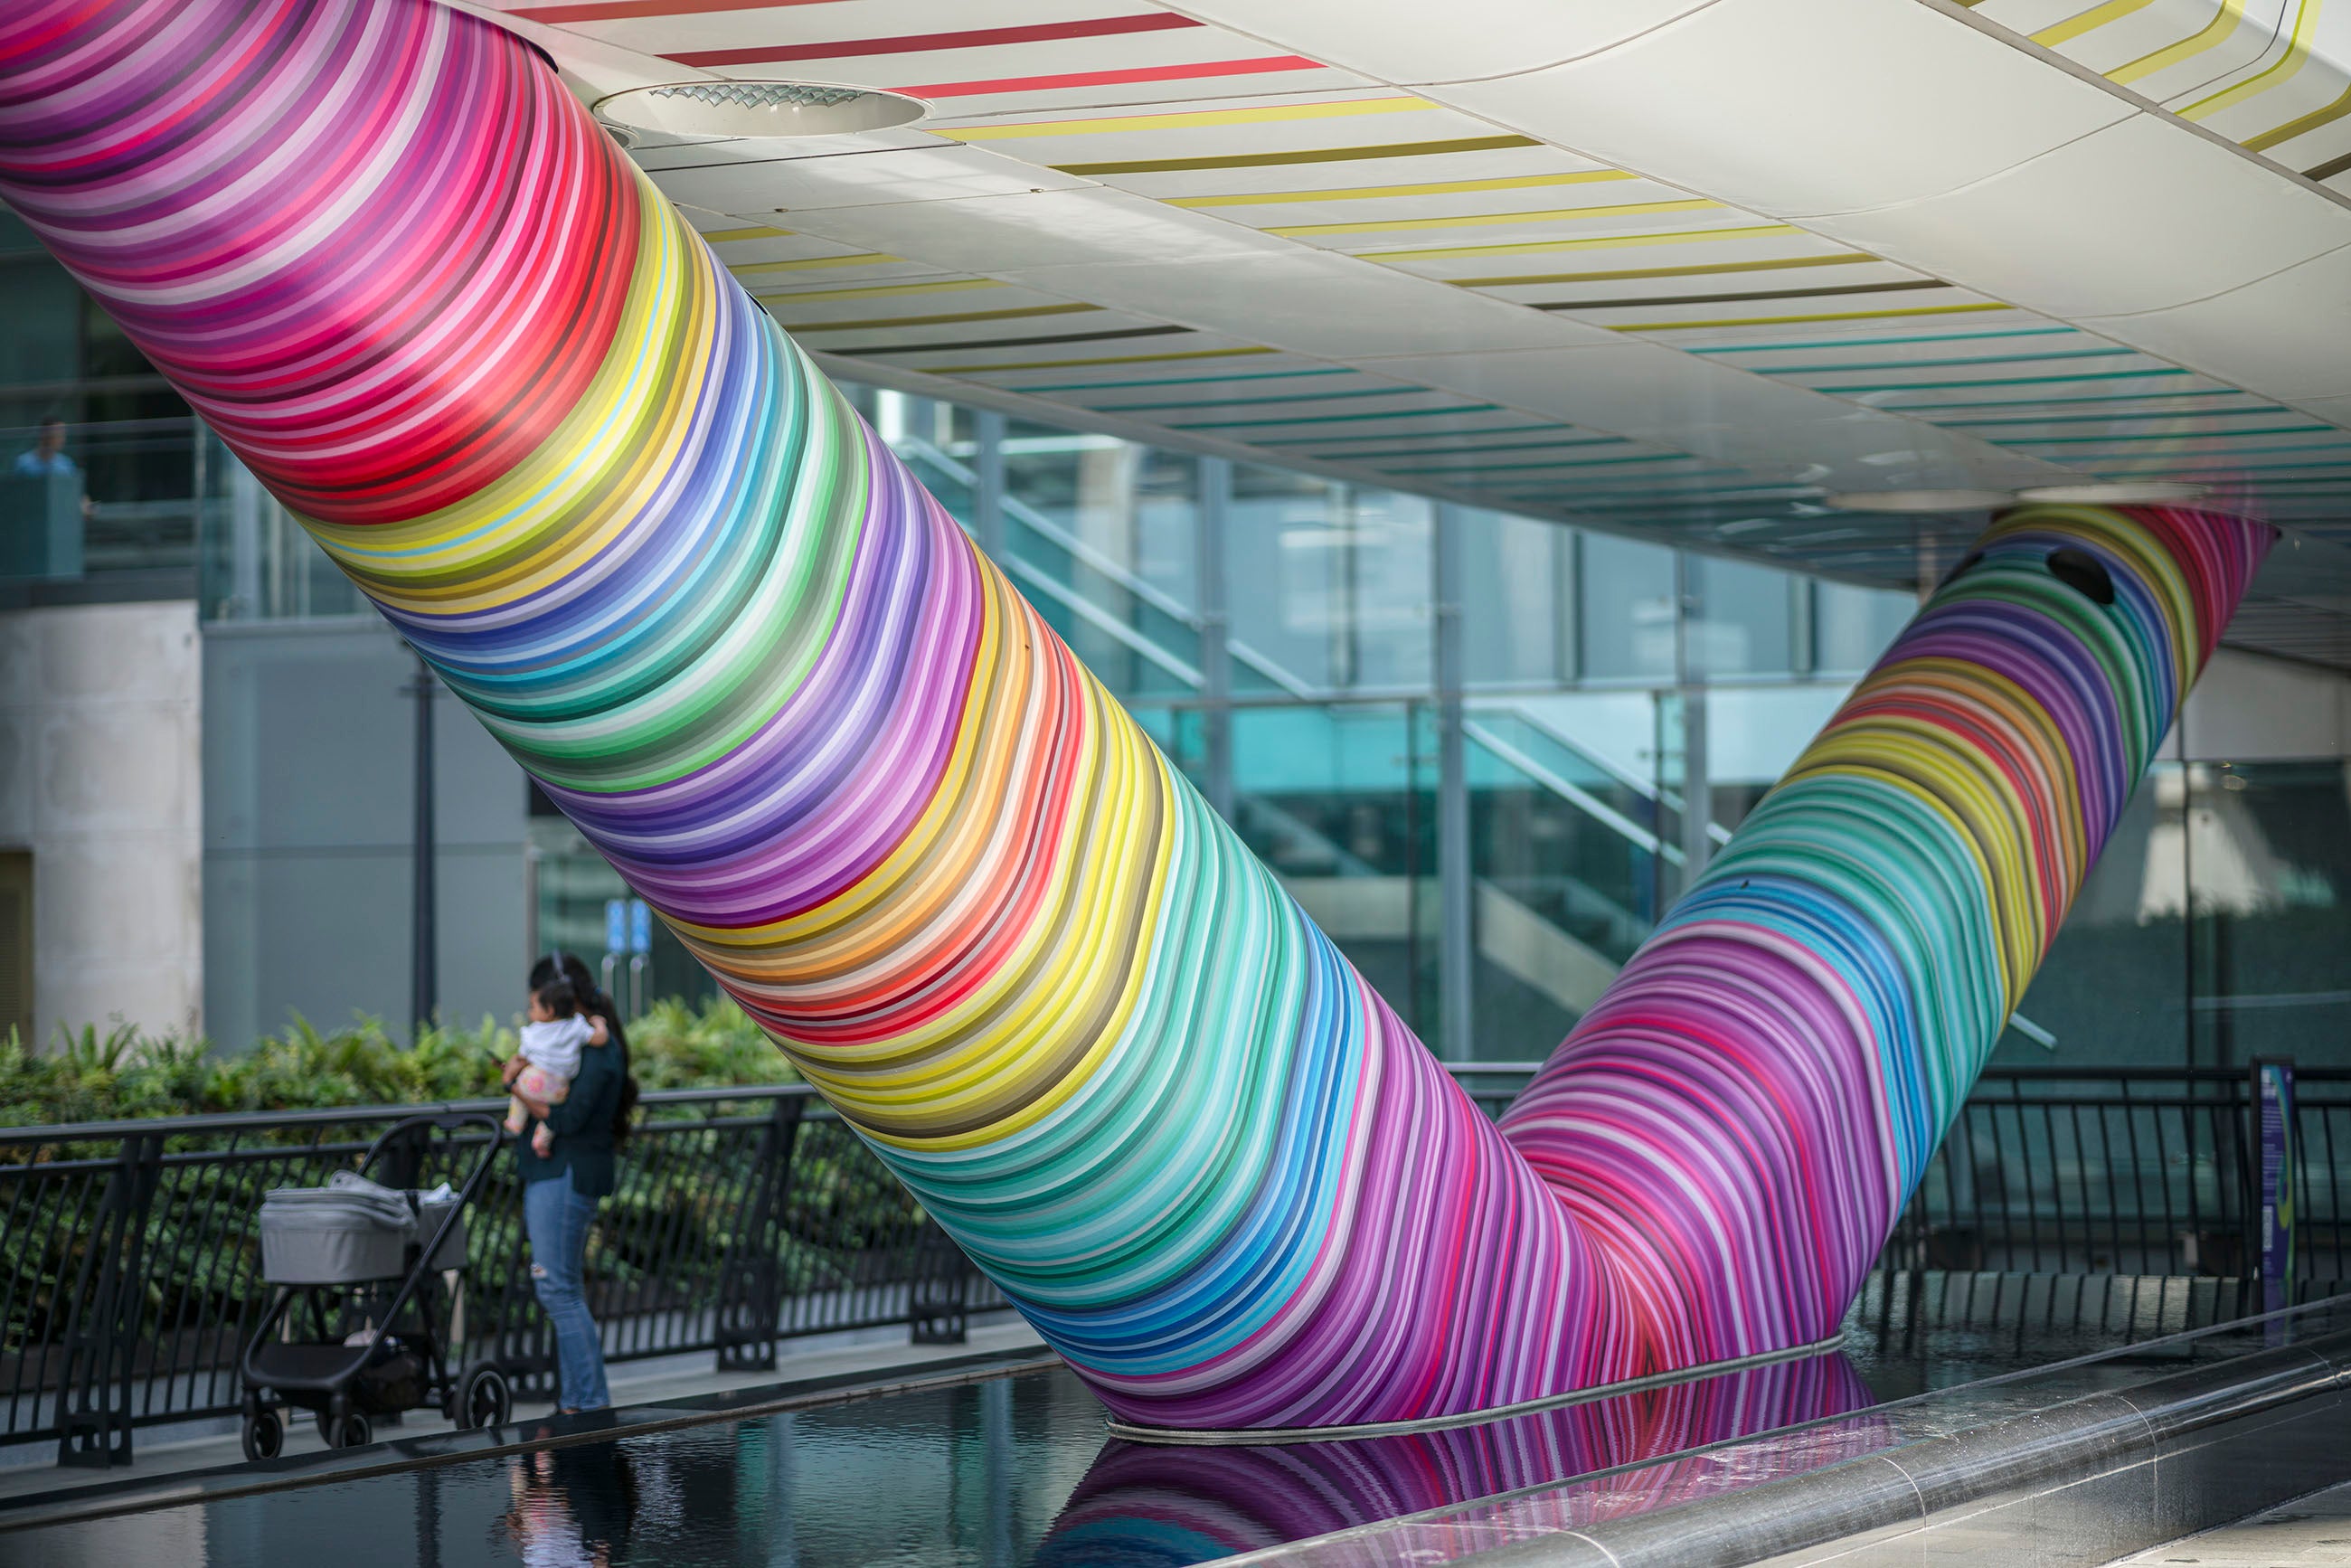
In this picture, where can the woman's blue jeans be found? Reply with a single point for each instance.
(556, 1220)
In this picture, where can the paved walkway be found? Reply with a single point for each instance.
(2303, 1533)
(31, 1468)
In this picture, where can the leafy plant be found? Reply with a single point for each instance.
(88, 1076)
(674, 1045)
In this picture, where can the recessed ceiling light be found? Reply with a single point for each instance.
(2122, 493)
(762, 108)
(1917, 500)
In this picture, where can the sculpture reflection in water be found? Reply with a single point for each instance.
(1146, 1506)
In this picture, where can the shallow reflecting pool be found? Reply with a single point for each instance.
(1017, 1471)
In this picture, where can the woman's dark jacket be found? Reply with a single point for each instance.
(583, 1123)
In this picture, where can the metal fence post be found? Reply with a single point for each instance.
(1216, 483)
(751, 1284)
(404, 1159)
(938, 1303)
(1457, 888)
(102, 1336)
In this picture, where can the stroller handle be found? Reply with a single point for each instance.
(445, 1120)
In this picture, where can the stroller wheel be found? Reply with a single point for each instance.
(351, 1432)
(264, 1435)
(485, 1399)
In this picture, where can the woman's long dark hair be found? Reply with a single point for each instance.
(596, 1004)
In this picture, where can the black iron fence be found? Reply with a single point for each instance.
(2133, 1171)
(2140, 1172)
(130, 1267)
(129, 1259)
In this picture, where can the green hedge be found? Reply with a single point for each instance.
(95, 1077)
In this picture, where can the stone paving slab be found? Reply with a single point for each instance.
(2308, 1531)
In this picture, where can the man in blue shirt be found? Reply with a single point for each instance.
(47, 454)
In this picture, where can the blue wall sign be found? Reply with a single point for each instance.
(2274, 1103)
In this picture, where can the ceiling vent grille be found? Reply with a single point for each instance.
(757, 108)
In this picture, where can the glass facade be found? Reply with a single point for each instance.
(101, 462)
(1481, 749)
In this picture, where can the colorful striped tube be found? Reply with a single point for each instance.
(509, 392)
(1737, 1120)
(1142, 1504)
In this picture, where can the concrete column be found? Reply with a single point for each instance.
(101, 789)
(1456, 970)
(1216, 482)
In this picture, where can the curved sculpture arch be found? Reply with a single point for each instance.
(513, 395)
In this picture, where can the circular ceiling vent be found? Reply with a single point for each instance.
(758, 109)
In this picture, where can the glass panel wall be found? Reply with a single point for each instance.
(100, 462)
(1740, 619)
(1630, 618)
(2268, 852)
(1339, 799)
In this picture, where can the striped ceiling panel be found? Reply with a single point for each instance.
(1758, 340)
(2274, 75)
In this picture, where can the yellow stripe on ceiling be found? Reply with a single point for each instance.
(759, 231)
(2211, 35)
(1495, 220)
(1375, 193)
(1598, 242)
(1268, 114)
(2282, 70)
(1790, 321)
(1067, 364)
(2088, 21)
(1702, 270)
(884, 290)
(861, 259)
(1017, 312)
(2325, 115)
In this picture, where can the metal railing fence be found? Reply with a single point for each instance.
(129, 1263)
(2138, 1171)
(129, 1255)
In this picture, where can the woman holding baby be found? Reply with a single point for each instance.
(572, 1098)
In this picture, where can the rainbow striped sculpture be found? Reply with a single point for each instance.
(405, 276)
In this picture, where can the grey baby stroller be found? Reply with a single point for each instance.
(353, 1329)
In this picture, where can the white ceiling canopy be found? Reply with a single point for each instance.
(1685, 268)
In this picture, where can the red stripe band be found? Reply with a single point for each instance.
(1113, 78)
(923, 43)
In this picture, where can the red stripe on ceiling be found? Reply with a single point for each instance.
(1113, 78)
(922, 43)
(610, 10)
